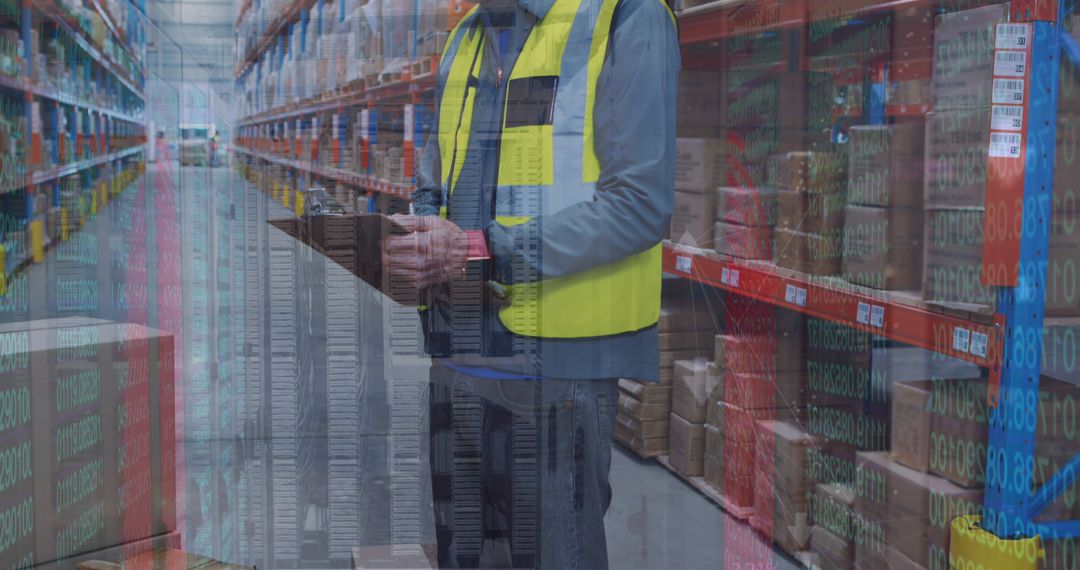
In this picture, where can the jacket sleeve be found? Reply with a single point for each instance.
(634, 118)
(428, 197)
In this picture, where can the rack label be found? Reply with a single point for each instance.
(877, 316)
(1007, 118)
(961, 339)
(979, 341)
(1012, 36)
(795, 295)
(683, 263)
(734, 277)
(1008, 91)
(725, 276)
(1006, 145)
(862, 315)
(1010, 63)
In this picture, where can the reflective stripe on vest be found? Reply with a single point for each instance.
(570, 44)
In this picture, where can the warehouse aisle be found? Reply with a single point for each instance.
(373, 493)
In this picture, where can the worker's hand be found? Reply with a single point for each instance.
(434, 251)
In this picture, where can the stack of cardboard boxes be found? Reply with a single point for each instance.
(811, 210)
(694, 380)
(643, 419)
(958, 136)
(699, 169)
(883, 220)
(782, 485)
(745, 218)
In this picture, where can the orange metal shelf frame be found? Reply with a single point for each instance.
(875, 312)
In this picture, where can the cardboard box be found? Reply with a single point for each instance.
(911, 424)
(813, 253)
(809, 172)
(811, 213)
(645, 430)
(646, 391)
(964, 57)
(833, 552)
(895, 560)
(668, 358)
(699, 165)
(917, 508)
(782, 391)
(870, 543)
(886, 165)
(743, 241)
(686, 446)
(642, 411)
(643, 447)
(760, 353)
(714, 383)
(956, 159)
(692, 219)
(688, 392)
(714, 472)
(882, 247)
(781, 457)
(700, 99)
(680, 316)
(832, 508)
(766, 98)
(952, 262)
(755, 207)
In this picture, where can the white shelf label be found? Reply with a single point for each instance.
(408, 123)
(1012, 36)
(725, 276)
(364, 125)
(1008, 92)
(979, 342)
(862, 315)
(734, 277)
(1007, 118)
(314, 128)
(1006, 145)
(684, 263)
(961, 339)
(1010, 63)
(795, 295)
(877, 316)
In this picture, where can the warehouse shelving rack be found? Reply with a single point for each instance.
(101, 140)
(968, 334)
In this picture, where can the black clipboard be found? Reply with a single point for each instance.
(353, 241)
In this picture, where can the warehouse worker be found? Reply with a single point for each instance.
(554, 150)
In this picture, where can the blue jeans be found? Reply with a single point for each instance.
(522, 460)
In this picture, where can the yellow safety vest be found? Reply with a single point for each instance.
(569, 44)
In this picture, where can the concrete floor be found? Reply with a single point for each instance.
(303, 428)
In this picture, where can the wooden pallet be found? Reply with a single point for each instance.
(740, 513)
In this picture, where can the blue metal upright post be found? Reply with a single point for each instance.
(1010, 505)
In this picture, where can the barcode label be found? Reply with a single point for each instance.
(877, 316)
(1008, 91)
(314, 128)
(979, 341)
(1007, 118)
(1005, 145)
(408, 123)
(684, 264)
(862, 314)
(725, 276)
(1010, 63)
(961, 339)
(1012, 36)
